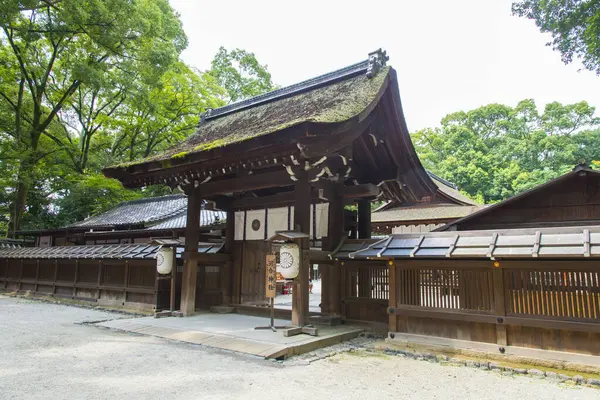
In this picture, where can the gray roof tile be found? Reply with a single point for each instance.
(138, 212)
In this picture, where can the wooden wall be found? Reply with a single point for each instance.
(576, 201)
(551, 305)
(125, 283)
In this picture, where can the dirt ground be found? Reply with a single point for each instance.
(48, 351)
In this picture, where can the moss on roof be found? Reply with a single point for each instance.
(333, 103)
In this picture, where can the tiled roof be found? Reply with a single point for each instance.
(430, 212)
(579, 242)
(116, 251)
(207, 218)
(452, 192)
(138, 212)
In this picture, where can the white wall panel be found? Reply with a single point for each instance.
(239, 225)
(277, 220)
(255, 225)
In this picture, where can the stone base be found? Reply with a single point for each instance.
(222, 309)
(325, 320)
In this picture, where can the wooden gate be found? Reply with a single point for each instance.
(365, 291)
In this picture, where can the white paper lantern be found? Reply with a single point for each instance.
(164, 260)
(289, 260)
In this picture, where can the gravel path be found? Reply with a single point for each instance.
(46, 353)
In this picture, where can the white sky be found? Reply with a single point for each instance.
(450, 55)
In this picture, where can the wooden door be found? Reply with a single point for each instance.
(208, 286)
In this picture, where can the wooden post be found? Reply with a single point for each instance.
(21, 276)
(37, 274)
(75, 279)
(331, 294)
(301, 223)
(99, 280)
(228, 247)
(364, 219)
(192, 234)
(172, 298)
(499, 304)
(392, 296)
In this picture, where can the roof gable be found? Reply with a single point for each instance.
(569, 198)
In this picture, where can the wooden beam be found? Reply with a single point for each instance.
(366, 190)
(206, 258)
(243, 184)
(323, 192)
(188, 281)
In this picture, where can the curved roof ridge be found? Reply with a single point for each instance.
(152, 199)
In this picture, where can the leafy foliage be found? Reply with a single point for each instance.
(574, 25)
(84, 85)
(52, 49)
(496, 151)
(240, 73)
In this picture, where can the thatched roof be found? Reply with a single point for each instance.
(340, 96)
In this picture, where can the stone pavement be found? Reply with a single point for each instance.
(234, 332)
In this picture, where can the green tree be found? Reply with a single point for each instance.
(161, 115)
(51, 48)
(240, 74)
(574, 25)
(497, 151)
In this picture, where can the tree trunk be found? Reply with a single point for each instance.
(17, 206)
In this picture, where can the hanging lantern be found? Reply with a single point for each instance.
(289, 260)
(164, 260)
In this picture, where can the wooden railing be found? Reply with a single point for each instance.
(554, 293)
(449, 288)
(545, 304)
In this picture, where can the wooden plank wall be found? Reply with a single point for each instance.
(552, 305)
(576, 201)
(125, 283)
(249, 270)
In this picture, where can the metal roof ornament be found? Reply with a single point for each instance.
(377, 60)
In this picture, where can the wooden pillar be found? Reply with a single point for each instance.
(192, 234)
(364, 219)
(302, 223)
(331, 294)
(499, 305)
(228, 248)
(392, 296)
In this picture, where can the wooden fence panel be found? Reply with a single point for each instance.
(563, 294)
(106, 281)
(365, 291)
(553, 305)
(445, 288)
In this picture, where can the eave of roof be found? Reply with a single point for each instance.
(557, 242)
(96, 252)
(428, 212)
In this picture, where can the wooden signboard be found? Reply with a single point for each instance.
(271, 276)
